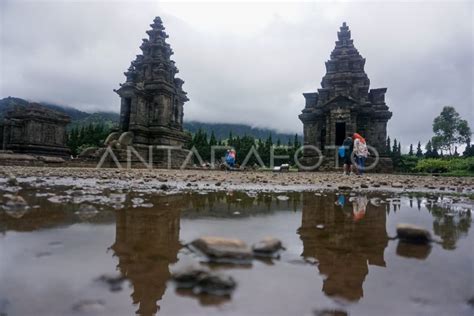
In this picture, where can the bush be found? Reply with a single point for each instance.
(454, 166)
(432, 165)
(466, 164)
(406, 163)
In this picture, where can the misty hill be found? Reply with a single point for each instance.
(80, 118)
(222, 130)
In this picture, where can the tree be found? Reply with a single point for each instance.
(394, 148)
(388, 146)
(213, 140)
(456, 154)
(428, 150)
(399, 149)
(449, 130)
(410, 152)
(296, 143)
(419, 152)
(469, 151)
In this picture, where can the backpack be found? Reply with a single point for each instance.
(342, 151)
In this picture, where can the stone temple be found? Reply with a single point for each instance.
(344, 104)
(151, 107)
(35, 129)
(152, 98)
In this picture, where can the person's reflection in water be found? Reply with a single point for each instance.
(359, 206)
(343, 247)
(146, 242)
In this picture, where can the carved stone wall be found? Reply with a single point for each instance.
(35, 129)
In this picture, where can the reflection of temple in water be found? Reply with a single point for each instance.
(147, 239)
(344, 247)
(146, 243)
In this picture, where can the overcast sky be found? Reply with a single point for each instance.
(244, 62)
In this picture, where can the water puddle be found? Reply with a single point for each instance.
(79, 252)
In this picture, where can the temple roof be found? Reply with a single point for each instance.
(36, 111)
(345, 73)
(154, 64)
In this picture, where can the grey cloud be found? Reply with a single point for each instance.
(76, 53)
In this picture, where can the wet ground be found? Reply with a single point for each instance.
(85, 250)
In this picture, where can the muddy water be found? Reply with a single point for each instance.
(339, 256)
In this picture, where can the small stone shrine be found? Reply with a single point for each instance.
(35, 129)
(344, 104)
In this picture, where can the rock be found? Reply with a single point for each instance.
(364, 186)
(117, 198)
(226, 250)
(86, 211)
(112, 136)
(375, 201)
(344, 187)
(283, 198)
(12, 180)
(218, 184)
(416, 251)
(202, 280)
(471, 301)
(413, 234)
(113, 281)
(330, 312)
(16, 206)
(50, 159)
(126, 139)
(267, 247)
(89, 306)
(397, 185)
(88, 152)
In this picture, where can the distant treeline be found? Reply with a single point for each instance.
(221, 131)
(92, 135)
(243, 145)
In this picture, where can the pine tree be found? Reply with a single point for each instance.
(399, 149)
(410, 152)
(429, 150)
(296, 142)
(290, 144)
(212, 140)
(394, 148)
(419, 152)
(388, 146)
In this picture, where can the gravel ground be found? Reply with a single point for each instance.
(210, 180)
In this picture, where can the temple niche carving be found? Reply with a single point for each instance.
(152, 98)
(344, 104)
(35, 129)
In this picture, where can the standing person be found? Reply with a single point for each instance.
(230, 158)
(349, 147)
(361, 152)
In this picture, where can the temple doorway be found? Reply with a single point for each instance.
(323, 138)
(126, 117)
(340, 133)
